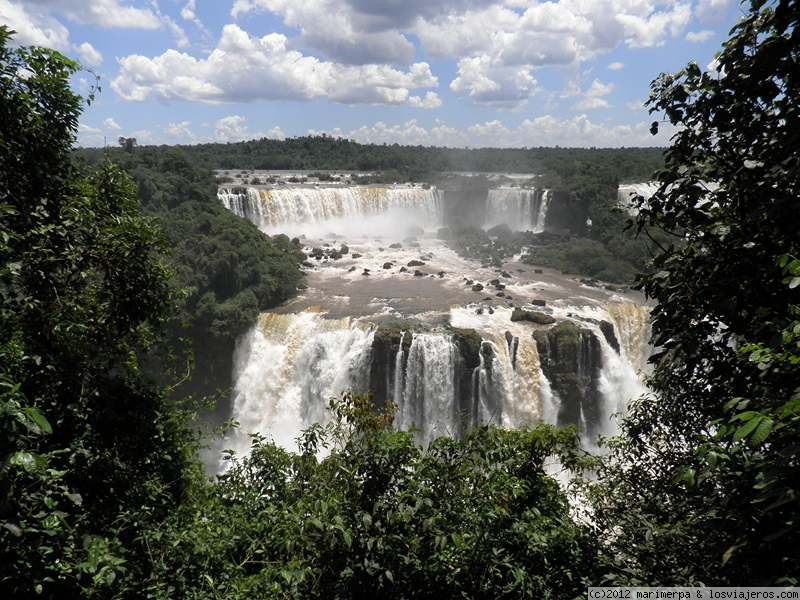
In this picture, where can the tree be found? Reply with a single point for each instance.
(705, 483)
(90, 451)
(127, 143)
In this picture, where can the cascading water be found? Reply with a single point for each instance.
(428, 392)
(615, 378)
(288, 367)
(519, 208)
(274, 207)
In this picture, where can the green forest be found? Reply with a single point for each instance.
(124, 285)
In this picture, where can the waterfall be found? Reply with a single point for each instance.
(625, 191)
(272, 207)
(428, 398)
(288, 367)
(613, 379)
(632, 325)
(398, 372)
(518, 208)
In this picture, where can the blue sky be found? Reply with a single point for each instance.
(439, 72)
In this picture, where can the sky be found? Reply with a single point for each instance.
(477, 73)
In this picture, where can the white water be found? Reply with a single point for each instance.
(428, 396)
(288, 367)
(271, 208)
(519, 208)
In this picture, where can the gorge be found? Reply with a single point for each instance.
(390, 310)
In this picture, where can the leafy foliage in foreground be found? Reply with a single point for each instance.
(91, 453)
(707, 483)
(381, 518)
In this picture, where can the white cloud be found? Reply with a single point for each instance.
(333, 28)
(234, 128)
(711, 10)
(616, 66)
(110, 123)
(105, 13)
(179, 130)
(699, 36)
(431, 100)
(84, 128)
(578, 131)
(89, 55)
(652, 30)
(594, 97)
(33, 27)
(243, 68)
(36, 21)
(484, 82)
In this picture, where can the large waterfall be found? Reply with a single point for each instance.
(289, 366)
(487, 370)
(273, 207)
(519, 208)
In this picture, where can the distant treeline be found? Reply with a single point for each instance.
(418, 162)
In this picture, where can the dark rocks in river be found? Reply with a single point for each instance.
(477, 287)
(307, 265)
(444, 233)
(366, 273)
(415, 263)
(533, 316)
(441, 274)
(571, 359)
(396, 245)
(344, 249)
(403, 270)
(388, 265)
(356, 255)
(538, 302)
(502, 232)
(418, 273)
(495, 282)
(351, 269)
(500, 294)
(538, 271)
(505, 274)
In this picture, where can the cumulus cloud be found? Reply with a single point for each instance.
(89, 55)
(711, 10)
(699, 36)
(547, 130)
(594, 97)
(105, 13)
(33, 27)
(616, 66)
(36, 22)
(244, 68)
(498, 43)
(234, 128)
(482, 80)
(180, 131)
(431, 100)
(110, 123)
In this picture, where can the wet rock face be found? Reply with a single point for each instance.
(571, 359)
(383, 365)
(532, 316)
